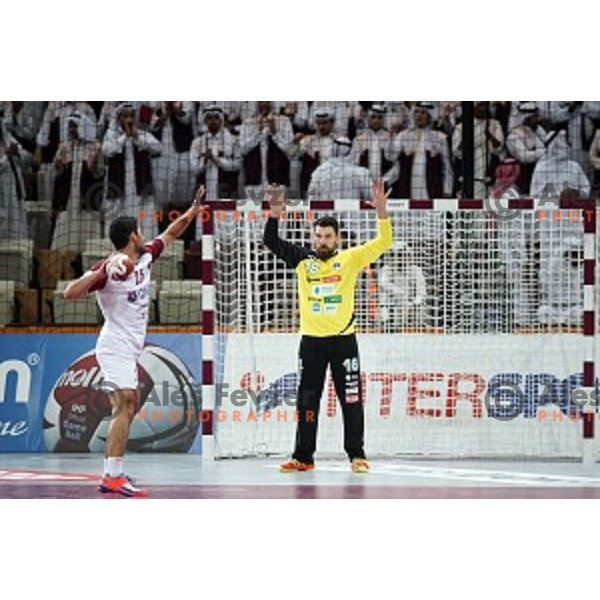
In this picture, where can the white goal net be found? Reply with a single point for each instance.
(469, 331)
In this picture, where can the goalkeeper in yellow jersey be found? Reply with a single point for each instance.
(326, 283)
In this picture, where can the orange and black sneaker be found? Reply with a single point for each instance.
(294, 465)
(360, 465)
(121, 485)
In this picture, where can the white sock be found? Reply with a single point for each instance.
(114, 465)
(105, 466)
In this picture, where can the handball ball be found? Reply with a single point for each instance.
(119, 266)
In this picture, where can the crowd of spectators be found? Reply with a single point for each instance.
(92, 161)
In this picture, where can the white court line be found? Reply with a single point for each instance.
(474, 475)
(28, 476)
(517, 476)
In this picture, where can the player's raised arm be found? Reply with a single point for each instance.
(373, 249)
(286, 251)
(97, 276)
(90, 281)
(175, 229)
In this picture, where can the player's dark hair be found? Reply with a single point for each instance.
(328, 222)
(120, 230)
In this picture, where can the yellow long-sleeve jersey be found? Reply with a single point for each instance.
(326, 287)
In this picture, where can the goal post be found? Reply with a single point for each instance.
(476, 331)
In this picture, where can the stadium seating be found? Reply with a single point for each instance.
(170, 265)
(180, 302)
(73, 232)
(74, 312)
(16, 261)
(95, 249)
(39, 223)
(7, 293)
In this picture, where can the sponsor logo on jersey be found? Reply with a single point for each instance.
(332, 279)
(330, 309)
(313, 267)
(337, 266)
(316, 308)
(323, 290)
(314, 299)
(140, 294)
(333, 299)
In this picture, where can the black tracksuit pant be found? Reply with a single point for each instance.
(340, 353)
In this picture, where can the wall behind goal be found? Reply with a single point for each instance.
(424, 395)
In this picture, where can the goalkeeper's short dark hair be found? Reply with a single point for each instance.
(328, 222)
(120, 230)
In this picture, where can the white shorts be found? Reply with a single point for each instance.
(119, 370)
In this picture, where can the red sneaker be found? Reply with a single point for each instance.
(294, 465)
(121, 485)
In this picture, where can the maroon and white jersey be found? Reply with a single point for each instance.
(124, 304)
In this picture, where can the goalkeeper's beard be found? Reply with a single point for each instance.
(324, 253)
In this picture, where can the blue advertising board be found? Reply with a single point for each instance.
(45, 382)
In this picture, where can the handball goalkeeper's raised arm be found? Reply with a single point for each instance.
(286, 251)
(370, 251)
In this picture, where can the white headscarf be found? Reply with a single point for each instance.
(86, 127)
(342, 147)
